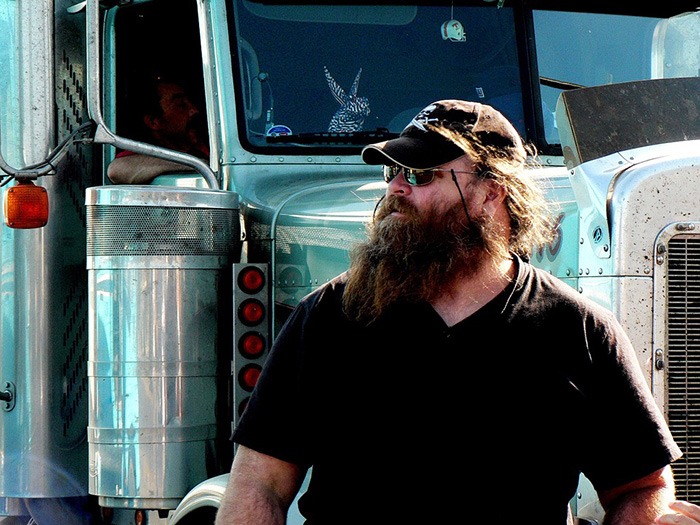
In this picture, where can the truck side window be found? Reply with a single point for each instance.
(155, 39)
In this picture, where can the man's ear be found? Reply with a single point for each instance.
(494, 194)
(151, 122)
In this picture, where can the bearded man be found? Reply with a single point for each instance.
(437, 380)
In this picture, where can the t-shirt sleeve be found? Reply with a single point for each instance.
(277, 419)
(629, 437)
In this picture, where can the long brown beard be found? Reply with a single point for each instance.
(412, 258)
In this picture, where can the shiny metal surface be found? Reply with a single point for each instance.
(43, 333)
(43, 344)
(207, 494)
(43, 304)
(159, 263)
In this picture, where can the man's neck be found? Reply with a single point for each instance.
(464, 296)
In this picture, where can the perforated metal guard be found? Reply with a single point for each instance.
(152, 231)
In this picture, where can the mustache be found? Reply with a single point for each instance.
(394, 203)
(197, 122)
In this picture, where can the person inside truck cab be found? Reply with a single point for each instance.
(167, 117)
(442, 378)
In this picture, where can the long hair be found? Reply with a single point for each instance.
(531, 220)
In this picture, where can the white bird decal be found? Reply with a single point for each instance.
(353, 109)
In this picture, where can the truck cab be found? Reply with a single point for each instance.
(127, 356)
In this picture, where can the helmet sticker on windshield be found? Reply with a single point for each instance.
(277, 130)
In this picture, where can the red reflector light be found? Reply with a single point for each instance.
(248, 376)
(26, 206)
(251, 280)
(251, 345)
(251, 312)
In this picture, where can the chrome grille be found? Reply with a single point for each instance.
(683, 322)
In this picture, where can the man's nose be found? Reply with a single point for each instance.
(192, 110)
(398, 185)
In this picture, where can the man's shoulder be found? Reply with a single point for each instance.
(321, 307)
(535, 277)
(550, 290)
(331, 291)
(546, 279)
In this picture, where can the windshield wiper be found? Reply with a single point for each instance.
(328, 137)
(559, 84)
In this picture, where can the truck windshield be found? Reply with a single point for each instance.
(585, 49)
(333, 73)
(340, 75)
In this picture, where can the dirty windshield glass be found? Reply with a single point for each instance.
(323, 75)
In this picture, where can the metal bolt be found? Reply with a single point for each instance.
(659, 361)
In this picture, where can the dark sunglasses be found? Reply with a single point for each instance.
(413, 177)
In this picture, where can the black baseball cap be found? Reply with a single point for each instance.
(420, 147)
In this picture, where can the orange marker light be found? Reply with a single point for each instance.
(26, 205)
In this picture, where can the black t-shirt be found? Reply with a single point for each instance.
(493, 419)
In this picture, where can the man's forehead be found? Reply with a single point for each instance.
(464, 161)
(170, 91)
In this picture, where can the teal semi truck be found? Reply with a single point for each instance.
(134, 319)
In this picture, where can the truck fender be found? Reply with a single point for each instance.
(200, 503)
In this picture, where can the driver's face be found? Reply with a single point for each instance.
(178, 110)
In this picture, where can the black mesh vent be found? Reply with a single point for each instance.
(683, 409)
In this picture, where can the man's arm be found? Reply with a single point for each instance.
(641, 501)
(140, 169)
(260, 490)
